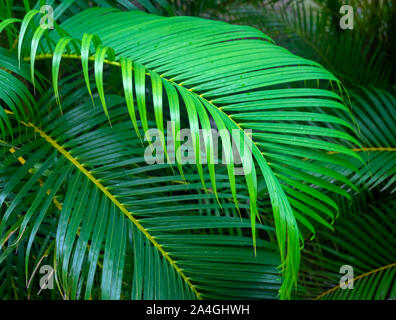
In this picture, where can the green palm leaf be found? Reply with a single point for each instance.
(363, 240)
(311, 30)
(121, 215)
(235, 76)
(15, 95)
(375, 115)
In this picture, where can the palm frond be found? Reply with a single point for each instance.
(375, 113)
(239, 89)
(14, 93)
(364, 240)
(142, 228)
(313, 32)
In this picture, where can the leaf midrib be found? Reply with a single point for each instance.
(112, 198)
(357, 278)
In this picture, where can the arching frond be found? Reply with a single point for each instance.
(140, 224)
(200, 71)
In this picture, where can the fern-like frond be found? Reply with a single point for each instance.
(364, 240)
(142, 228)
(375, 114)
(200, 71)
(311, 31)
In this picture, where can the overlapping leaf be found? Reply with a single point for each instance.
(234, 75)
(142, 225)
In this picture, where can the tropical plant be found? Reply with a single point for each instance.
(77, 109)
